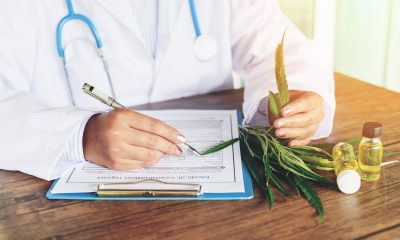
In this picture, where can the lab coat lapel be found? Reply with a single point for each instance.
(170, 13)
(122, 11)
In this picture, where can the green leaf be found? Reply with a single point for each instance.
(278, 104)
(315, 177)
(284, 176)
(279, 185)
(271, 163)
(267, 174)
(280, 74)
(273, 107)
(251, 164)
(354, 141)
(219, 146)
(307, 190)
(329, 146)
(317, 161)
(326, 146)
(385, 154)
(270, 195)
(311, 149)
(244, 139)
(319, 167)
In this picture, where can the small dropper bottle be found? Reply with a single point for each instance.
(345, 165)
(370, 151)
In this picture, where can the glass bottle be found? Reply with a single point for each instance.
(345, 165)
(370, 151)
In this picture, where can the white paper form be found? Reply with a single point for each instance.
(219, 172)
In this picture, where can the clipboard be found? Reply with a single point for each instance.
(247, 194)
(149, 194)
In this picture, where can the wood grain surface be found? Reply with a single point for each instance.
(373, 212)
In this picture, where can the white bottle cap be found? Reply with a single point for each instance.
(348, 181)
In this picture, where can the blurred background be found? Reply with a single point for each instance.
(361, 36)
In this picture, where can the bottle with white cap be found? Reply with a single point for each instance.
(346, 167)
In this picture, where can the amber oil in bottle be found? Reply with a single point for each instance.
(370, 151)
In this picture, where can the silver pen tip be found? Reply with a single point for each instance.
(197, 153)
(192, 149)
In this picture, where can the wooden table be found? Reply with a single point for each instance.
(373, 212)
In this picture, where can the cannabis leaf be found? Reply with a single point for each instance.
(270, 162)
(280, 165)
(274, 107)
(307, 190)
(280, 75)
(219, 146)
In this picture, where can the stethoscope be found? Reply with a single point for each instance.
(204, 46)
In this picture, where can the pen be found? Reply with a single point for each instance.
(90, 90)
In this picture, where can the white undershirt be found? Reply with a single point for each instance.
(145, 13)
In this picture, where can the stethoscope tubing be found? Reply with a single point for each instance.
(195, 20)
(72, 15)
(75, 16)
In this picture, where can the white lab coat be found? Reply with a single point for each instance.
(37, 115)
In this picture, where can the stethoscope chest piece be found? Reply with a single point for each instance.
(204, 48)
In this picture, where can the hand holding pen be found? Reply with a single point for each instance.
(124, 139)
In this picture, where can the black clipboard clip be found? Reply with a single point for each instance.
(149, 188)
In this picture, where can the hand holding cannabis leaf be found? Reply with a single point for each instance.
(271, 162)
(300, 118)
(275, 166)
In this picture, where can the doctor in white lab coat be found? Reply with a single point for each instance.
(46, 129)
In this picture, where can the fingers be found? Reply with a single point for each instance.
(151, 125)
(129, 164)
(141, 154)
(124, 164)
(140, 130)
(299, 120)
(307, 101)
(301, 117)
(111, 141)
(151, 141)
(298, 142)
(296, 133)
(132, 157)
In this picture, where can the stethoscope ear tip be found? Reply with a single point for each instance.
(205, 48)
